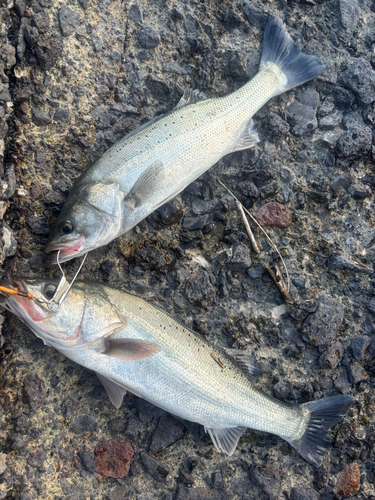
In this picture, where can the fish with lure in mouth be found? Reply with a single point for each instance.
(155, 162)
(134, 346)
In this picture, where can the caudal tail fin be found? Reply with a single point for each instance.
(279, 49)
(319, 417)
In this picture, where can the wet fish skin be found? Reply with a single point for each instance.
(135, 346)
(154, 163)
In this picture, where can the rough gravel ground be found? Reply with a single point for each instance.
(78, 76)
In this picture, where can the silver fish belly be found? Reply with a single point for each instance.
(156, 162)
(135, 346)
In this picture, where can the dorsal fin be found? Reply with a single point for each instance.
(190, 97)
(247, 362)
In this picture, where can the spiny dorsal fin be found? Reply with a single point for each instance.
(190, 97)
(247, 362)
(147, 183)
(226, 440)
(130, 349)
(115, 391)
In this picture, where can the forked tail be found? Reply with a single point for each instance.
(281, 54)
(312, 439)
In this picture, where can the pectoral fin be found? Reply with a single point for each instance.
(115, 391)
(152, 179)
(248, 138)
(130, 349)
(226, 440)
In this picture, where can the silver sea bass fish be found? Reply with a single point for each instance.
(157, 161)
(135, 346)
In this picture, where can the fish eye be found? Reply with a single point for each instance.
(66, 227)
(49, 291)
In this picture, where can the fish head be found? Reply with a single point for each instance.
(91, 218)
(83, 316)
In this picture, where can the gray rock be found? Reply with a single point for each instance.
(40, 118)
(37, 458)
(31, 35)
(84, 4)
(321, 327)
(192, 223)
(116, 426)
(241, 259)
(371, 306)
(342, 383)
(185, 478)
(349, 16)
(119, 492)
(69, 20)
(257, 13)
(360, 78)
(20, 7)
(330, 121)
(41, 21)
(34, 391)
(174, 67)
(171, 213)
(359, 345)
(202, 494)
(301, 114)
(62, 115)
(358, 373)
(154, 468)
(168, 431)
(332, 356)
(83, 424)
(342, 181)
(9, 242)
(178, 13)
(38, 225)
(71, 490)
(97, 42)
(87, 460)
(268, 479)
(148, 37)
(303, 494)
(282, 389)
(134, 13)
(47, 50)
(359, 191)
(275, 126)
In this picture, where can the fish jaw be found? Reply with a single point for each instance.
(68, 251)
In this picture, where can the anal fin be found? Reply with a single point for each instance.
(115, 391)
(226, 440)
(248, 138)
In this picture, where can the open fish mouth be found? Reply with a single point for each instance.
(67, 251)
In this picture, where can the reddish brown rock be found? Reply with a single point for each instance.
(274, 215)
(112, 458)
(349, 482)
